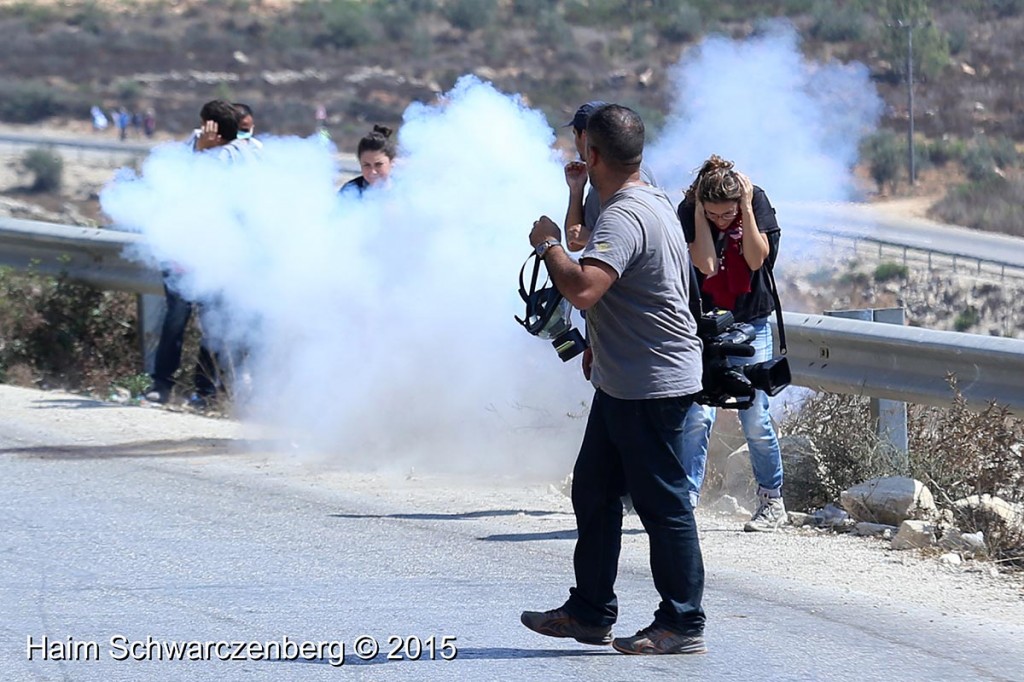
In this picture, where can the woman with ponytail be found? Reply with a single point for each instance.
(375, 152)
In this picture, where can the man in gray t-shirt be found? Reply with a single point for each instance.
(642, 332)
(632, 280)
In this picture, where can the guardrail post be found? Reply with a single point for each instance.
(151, 310)
(890, 416)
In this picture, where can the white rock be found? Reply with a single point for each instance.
(890, 500)
(799, 519)
(951, 559)
(914, 535)
(727, 504)
(1008, 511)
(873, 529)
(971, 543)
(120, 395)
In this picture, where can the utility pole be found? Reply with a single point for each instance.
(910, 96)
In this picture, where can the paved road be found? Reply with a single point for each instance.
(110, 150)
(859, 220)
(138, 535)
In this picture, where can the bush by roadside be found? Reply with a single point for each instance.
(46, 167)
(957, 452)
(58, 333)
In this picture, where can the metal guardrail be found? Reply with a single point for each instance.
(114, 147)
(88, 254)
(348, 164)
(904, 363)
(825, 353)
(1001, 268)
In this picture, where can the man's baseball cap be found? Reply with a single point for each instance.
(579, 121)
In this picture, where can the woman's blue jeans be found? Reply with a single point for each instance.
(765, 455)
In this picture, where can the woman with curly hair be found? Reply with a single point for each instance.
(734, 240)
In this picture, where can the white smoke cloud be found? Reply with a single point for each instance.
(790, 124)
(380, 330)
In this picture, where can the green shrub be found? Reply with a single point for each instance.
(966, 319)
(90, 16)
(979, 161)
(833, 25)
(1004, 151)
(345, 24)
(884, 152)
(955, 451)
(64, 333)
(1008, 8)
(36, 15)
(993, 204)
(931, 45)
(129, 90)
(529, 9)
(30, 101)
(853, 279)
(945, 149)
(639, 40)
(681, 24)
(46, 167)
(470, 15)
(401, 20)
(888, 271)
(552, 29)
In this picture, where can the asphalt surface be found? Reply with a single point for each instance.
(117, 540)
(852, 220)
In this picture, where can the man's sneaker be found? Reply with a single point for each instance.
(657, 639)
(559, 623)
(770, 514)
(155, 394)
(198, 401)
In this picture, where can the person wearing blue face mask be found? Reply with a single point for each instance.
(246, 125)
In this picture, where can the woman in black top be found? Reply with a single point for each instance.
(734, 241)
(375, 152)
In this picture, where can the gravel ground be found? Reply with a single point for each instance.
(844, 568)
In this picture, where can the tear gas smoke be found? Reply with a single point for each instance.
(378, 330)
(792, 125)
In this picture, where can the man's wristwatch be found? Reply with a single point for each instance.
(543, 247)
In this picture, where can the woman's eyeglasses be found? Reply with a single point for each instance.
(728, 215)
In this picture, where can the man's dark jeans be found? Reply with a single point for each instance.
(635, 446)
(168, 350)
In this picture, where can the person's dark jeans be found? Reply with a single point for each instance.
(168, 350)
(635, 446)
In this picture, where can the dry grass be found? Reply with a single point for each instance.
(957, 452)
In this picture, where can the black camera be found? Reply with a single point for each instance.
(548, 315)
(731, 386)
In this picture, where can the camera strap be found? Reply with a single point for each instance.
(778, 309)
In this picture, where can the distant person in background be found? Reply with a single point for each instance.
(375, 152)
(322, 133)
(734, 240)
(99, 119)
(149, 123)
(124, 119)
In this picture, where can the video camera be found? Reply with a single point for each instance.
(732, 386)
